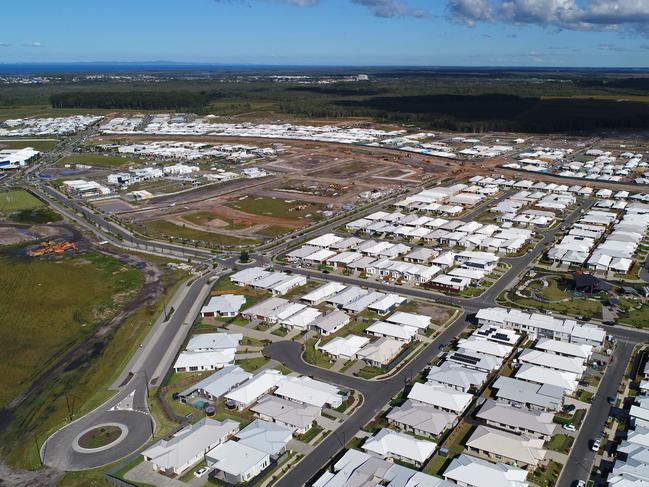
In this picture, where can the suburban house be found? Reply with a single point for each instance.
(188, 446)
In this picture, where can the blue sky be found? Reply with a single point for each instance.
(335, 32)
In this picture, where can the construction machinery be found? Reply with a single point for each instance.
(52, 248)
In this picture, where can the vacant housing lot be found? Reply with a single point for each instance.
(47, 303)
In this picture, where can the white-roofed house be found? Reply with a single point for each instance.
(344, 347)
(234, 462)
(227, 305)
(469, 471)
(253, 389)
(305, 390)
(388, 443)
(188, 446)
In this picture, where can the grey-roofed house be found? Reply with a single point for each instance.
(295, 416)
(330, 323)
(455, 376)
(219, 383)
(421, 419)
(518, 420)
(269, 437)
(518, 392)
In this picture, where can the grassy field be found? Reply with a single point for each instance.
(46, 303)
(275, 207)
(42, 145)
(575, 307)
(87, 385)
(165, 229)
(98, 160)
(18, 200)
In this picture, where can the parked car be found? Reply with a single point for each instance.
(596, 445)
(569, 427)
(580, 483)
(611, 400)
(200, 472)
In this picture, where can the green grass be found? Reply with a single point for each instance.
(575, 307)
(97, 160)
(560, 443)
(99, 437)
(87, 386)
(547, 475)
(42, 145)
(165, 229)
(636, 317)
(280, 332)
(54, 304)
(18, 200)
(275, 207)
(37, 216)
(252, 364)
(316, 357)
(584, 396)
(369, 372)
(311, 434)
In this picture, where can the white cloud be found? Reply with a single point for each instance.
(589, 15)
(33, 44)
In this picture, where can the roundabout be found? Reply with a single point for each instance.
(100, 437)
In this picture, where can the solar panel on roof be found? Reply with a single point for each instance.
(501, 336)
(460, 357)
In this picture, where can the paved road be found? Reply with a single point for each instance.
(59, 449)
(376, 395)
(581, 458)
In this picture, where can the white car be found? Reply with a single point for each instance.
(596, 445)
(569, 427)
(200, 472)
(581, 483)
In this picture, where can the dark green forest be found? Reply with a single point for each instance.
(463, 100)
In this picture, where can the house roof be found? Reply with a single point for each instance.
(236, 458)
(440, 396)
(225, 303)
(521, 418)
(331, 321)
(409, 319)
(189, 442)
(389, 443)
(423, 417)
(214, 341)
(262, 435)
(345, 346)
(256, 387)
(401, 332)
(287, 412)
(308, 391)
(467, 470)
(455, 375)
(324, 291)
(509, 445)
(220, 382)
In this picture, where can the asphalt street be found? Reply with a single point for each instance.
(581, 458)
